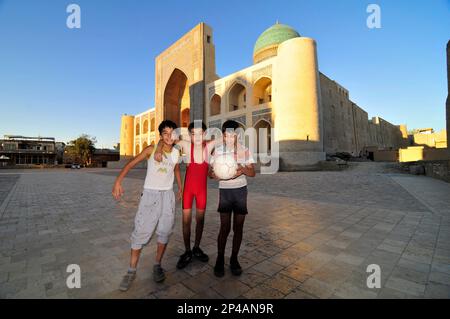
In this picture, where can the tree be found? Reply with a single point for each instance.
(413, 131)
(81, 149)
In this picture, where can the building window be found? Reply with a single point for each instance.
(137, 150)
(145, 126)
(214, 105)
(137, 129)
(152, 125)
(236, 97)
(262, 91)
(208, 38)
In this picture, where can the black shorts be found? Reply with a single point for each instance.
(233, 200)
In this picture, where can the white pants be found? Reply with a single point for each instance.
(156, 211)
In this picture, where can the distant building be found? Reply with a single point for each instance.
(429, 138)
(101, 157)
(25, 150)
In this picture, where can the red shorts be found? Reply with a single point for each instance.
(200, 198)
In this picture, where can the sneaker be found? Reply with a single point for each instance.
(158, 273)
(199, 254)
(219, 268)
(184, 260)
(235, 267)
(127, 280)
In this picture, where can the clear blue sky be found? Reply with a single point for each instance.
(59, 82)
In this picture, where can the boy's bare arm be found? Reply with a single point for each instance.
(211, 173)
(248, 170)
(178, 178)
(117, 190)
(158, 152)
(159, 149)
(211, 145)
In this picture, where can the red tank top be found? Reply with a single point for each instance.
(197, 173)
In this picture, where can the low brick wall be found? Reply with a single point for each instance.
(435, 169)
(438, 169)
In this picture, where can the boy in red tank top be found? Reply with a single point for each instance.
(195, 186)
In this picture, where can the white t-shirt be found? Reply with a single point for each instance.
(243, 157)
(160, 175)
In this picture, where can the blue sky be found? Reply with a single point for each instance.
(62, 82)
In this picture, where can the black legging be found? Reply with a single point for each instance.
(200, 222)
(225, 227)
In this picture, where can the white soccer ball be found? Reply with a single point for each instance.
(224, 166)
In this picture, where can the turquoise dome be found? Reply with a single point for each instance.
(274, 35)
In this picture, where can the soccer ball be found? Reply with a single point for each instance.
(224, 166)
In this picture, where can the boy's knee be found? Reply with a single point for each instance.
(135, 246)
(237, 229)
(138, 241)
(163, 238)
(225, 229)
(164, 235)
(200, 219)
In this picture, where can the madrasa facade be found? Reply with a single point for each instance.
(308, 114)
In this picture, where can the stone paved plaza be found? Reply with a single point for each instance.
(308, 235)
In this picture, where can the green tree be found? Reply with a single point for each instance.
(413, 131)
(81, 149)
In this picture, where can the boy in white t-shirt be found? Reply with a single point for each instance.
(232, 198)
(156, 212)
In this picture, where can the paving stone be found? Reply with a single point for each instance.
(317, 288)
(439, 278)
(201, 282)
(177, 291)
(405, 286)
(299, 294)
(440, 267)
(283, 259)
(349, 291)
(410, 275)
(349, 259)
(417, 266)
(252, 277)
(230, 288)
(333, 273)
(208, 294)
(438, 291)
(267, 267)
(263, 292)
(282, 283)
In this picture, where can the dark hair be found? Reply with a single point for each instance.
(229, 124)
(166, 123)
(192, 125)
